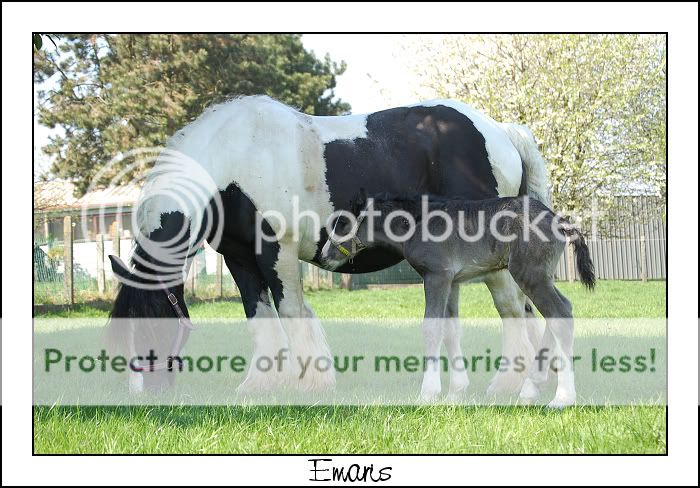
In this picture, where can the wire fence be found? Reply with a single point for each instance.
(628, 245)
(93, 280)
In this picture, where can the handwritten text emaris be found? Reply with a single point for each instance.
(322, 470)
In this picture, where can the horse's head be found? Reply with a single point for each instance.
(145, 323)
(349, 235)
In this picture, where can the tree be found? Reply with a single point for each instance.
(595, 103)
(120, 92)
(38, 40)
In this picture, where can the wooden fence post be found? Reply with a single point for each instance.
(68, 259)
(236, 291)
(346, 281)
(100, 249)
(116, 247)
(570, 270)
(643, 257)
(219, 275)
(315, 277)
(191, 277)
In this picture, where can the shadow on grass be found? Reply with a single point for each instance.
(189, 416)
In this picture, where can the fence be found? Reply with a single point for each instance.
(628, 245)
(78, 271)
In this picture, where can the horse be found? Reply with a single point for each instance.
(246, 167)
(450, 241)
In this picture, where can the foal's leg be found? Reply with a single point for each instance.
(563, 329)
(437, 289)
(517, 341)
(452, 331)
(269, 339)
(557, 344)
(307, 340)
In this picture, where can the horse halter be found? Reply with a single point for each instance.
(356, 245)
(183, 323)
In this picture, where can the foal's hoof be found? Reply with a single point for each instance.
(561, 403)
(429, 395)
(458, 389)
(456, 396)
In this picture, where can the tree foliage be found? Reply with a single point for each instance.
(120, 92)
(595, 103)
(38, 40)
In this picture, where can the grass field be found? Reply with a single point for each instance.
(386, 429)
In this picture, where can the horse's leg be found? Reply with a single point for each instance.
(557, 342)
(269, 339)
(563, 330)
(516, 343)
(437, 289)
(535, 326)
(135, 378)
(452, 333)
(307, 340)
(538, 370)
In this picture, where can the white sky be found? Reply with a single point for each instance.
(375, 77)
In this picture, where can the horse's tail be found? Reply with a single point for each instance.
(583, 255)
(533, 162)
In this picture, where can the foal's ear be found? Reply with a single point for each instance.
(360, 202)
(363, 197)
(119, 268)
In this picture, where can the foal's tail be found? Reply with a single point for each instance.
(583, 255)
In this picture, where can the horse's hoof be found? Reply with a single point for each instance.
(456, 396)
(429, 395)
(313, 380)
(427, 399)
(135, 383)
(458, 389)
(528, 393)
(317, 385)
(251, 388)
(506, 382)
(259, 383)
(561, 403)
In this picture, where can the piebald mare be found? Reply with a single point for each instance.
(254, 156)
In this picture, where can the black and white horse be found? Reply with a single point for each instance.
(253, 163)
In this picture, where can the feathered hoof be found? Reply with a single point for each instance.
(507, 382)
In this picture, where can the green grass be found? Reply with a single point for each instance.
(614, 299)
(424, 429)
(376, 429)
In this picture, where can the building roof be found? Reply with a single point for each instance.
(58, 195)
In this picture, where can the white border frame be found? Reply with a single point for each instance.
(680, 20)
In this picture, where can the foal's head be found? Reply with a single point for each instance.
(349, 235)
(380, 221)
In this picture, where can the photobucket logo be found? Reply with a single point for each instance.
(435, 221)
(176, 188)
